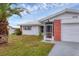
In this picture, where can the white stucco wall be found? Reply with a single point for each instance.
(66, 17)
(34, 31)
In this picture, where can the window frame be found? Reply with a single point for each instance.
(27, 27)
(75, 17)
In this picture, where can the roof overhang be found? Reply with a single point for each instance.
(58, 13)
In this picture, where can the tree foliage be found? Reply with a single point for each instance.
(6, 10)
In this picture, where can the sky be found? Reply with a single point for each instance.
(38, 11)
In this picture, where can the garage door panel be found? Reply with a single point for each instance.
(70, 32)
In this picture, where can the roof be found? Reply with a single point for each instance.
(30, 23)
(15, 27)
(58, 13)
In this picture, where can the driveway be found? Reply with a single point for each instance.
(65, 49)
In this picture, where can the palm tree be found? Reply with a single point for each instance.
(6, 11)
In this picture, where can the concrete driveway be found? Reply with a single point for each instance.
(65, 49)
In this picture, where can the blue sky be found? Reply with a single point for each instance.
(38, 11)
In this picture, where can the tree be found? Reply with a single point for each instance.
(6, 11)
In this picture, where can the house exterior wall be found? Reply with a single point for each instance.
(66, 17)
(34, 31)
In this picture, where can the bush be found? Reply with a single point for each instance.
(18, 32)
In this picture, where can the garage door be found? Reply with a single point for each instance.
(70, 32)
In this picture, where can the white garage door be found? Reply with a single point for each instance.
(70, 32)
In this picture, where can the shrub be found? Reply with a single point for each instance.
(18, 32)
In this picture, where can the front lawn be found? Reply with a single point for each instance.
(25, 46)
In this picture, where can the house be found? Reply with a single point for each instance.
(61, 26)
(31, 28)
(11, 29)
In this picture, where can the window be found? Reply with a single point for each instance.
(75, 17)
(27, 27)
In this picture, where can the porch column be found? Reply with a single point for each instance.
(20, 27)
(44, 32)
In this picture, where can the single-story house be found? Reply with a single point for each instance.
(12, 29)
(31, 28)
(61, 26)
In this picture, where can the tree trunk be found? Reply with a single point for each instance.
(3, 31)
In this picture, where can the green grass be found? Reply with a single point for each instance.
(25, 46)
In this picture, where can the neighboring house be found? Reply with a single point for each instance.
(61, 26)
(12, 29)
(31, 28)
